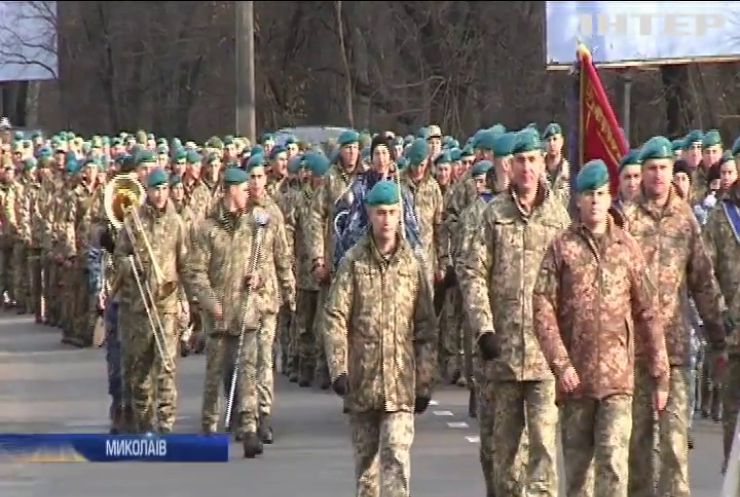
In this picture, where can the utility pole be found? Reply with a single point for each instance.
(246, 111)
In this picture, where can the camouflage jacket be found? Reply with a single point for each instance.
(499, 275)
(588, 290)
(298, 218)
(29, 215)
(166, 237)
(221, 250)
(428, 209)
(199, 198)
(722, 242)
(677, 261)
(380, 328)
(559, 181)
(469, 226)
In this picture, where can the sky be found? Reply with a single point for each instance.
(28, 41)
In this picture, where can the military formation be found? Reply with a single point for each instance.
(380, 266)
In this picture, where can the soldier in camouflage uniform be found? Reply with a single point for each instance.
(498, 277)
(197, 194)
(10, 192)
(217, 274)
(676, 260)
(383, 391)
(557, 169)
(591, 284)
(29, 220)
(145, 369)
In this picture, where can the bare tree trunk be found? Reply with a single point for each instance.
(32, 104)
(347, 72)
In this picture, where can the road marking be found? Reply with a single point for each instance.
(473, 440)
(433, 403)
(443, 413)
(457, 424)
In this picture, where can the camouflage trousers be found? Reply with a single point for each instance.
(310, 349)
(20, 276)
(382, 447)
(150, 387)
(670, 469)
(51, 290)
(451, 334)
(595, 437)
(221, 354)
(516, 405)
(36, 278)
(730, 405)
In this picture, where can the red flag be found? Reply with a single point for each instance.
(600, 136)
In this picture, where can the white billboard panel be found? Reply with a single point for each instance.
(28, 41)
(623, 34)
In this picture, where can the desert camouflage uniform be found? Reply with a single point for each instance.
(498, 278)
(376, 305)
(29, 221)
(587, 292)
(676, 262)
(142, 365)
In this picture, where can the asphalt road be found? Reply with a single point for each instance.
(48, 387)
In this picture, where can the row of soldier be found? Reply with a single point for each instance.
(453, 216)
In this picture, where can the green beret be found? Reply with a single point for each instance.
(711, 139)
(455, 154)
(657, 147)
(527, 140)
(467, 151)
(631, 158)
(348, 137)
(736, 147)
(267, 137)
(277, 150)
(235, 176)
(180, 155)
(29, 164)
(695, 136)
(504, 144)
(592, 176)
(485, 140)
(295, 163)
(175, 180)
(417, 152)
(256, 161)
(257, 150)
(497, 129)
(552, 129)
(72, 166)
(422, 133)
(156, 178)
(402, 163)
(145, 157)
(193, 157)
(726, 157)
(481, 167)
(677, 145)
(443, 158)
(317, 163)
(384, 192)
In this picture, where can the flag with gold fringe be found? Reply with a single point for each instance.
(594, 130)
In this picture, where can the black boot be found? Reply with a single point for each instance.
(265, 429)
(472, 404)
(252, 445)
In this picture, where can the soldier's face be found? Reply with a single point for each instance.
(444, 174)
(280, 165)
(240, 195)
(158, 195)
(630, 178)
(727, 175)
(683, 184)
(657, 176)
(554, 144)
(177, 192)
(350, 153)
(381, 158)
(711, 155)
(527, 169)
(593, 206)
(385, 220)
(257, 181)
(435, 146)
(292, 150)
(693, 155)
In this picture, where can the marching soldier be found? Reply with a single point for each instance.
(557, 168)
(591, 284)
(10, 193)
(29, 219)
(498, 277)
(676, 261)
(152, 249)
(364, 310)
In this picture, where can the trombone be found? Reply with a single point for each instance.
(124, 194)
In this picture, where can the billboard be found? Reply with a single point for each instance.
(28, 41)
(625, 34)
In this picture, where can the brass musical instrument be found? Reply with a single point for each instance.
(123, 196)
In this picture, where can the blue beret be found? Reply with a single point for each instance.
(72, 166)
(711, 139)
(504, 144)
(417, 152)
(317, 163)
(481, 167)
(235, 176)
(632, 158)
(347, 137)
(592, 176)
(384, 192)
(157, 177)
(657, 147)
(527, 140)
(695, 136)
(44, 153)
(552, 129)
(175, 180)
(256, 161)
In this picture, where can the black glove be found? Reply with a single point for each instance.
(421, 404)
(340, 385)
(489, 346)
